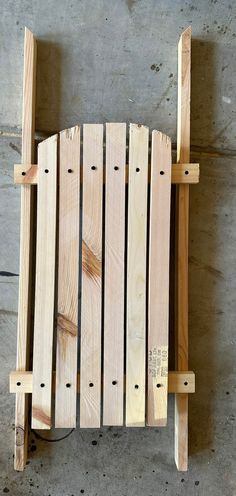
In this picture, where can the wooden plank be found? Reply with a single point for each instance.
(91, 301)
(24, 326)
(183, 155)
(136, 276)
(113, 379)
(68, 277)
(158, 296)
(180, 174)
(178, 382)
(44, 284)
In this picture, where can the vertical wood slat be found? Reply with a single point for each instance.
(113, 383)
(158, 297)
(183, 155)
(136, 276)
(68, 277)
(24, 306)
(44, 284)
(91, 299)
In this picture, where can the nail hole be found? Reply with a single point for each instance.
(46, 171)
(70, 170)
(91, 384)
(116, 168)
(68, 385)
(114, 383)
(136, 386)
(158, 385)
(93, 167)
(186, 172)
(18, 383)
(137, 169)
(42, 384)
(186, 383)
(23, 173)
(162, 173)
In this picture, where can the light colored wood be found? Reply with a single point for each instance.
(180, 174)
(45, 284)
(113, 376)
(91, 300)
(136, 276)
(68, 277)
(158, 295)
(178, 382)
(183, 155)
(24, 326)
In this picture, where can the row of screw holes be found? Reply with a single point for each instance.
(68, 385)
(94, 168)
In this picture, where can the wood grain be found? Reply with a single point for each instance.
(136, 276)
(183, 155)
(158, 295)
(68, 278)
(114, 291)
(24, 327)
(45, 284)
(91, 301)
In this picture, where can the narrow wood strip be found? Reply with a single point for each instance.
(114, 290)
(158, 296)
(45, 284)
(180, 174)
(68, 277)
(183, 155)
(136, 276)
(178, 382)
(91, 301)
(24, 326)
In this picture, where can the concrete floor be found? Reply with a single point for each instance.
(117, 60)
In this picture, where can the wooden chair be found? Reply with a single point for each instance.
(115, 210)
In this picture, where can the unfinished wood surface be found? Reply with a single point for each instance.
(158, 295)
(183, 155)
(136, 276)
(178, 382)
(44, 284)
(24, 326)
(91, 300)
(113, 379)
(180, 174)
(68, 277)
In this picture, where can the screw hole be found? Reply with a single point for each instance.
(162, 173)
(91, 384)
(70, 170)
(116, 168)
(137, 169)
(46, 171)
(18, 383)
(68, 385)
(186, 172)
(23, 173)
(158, 385)
(136, 386)
(186, 383)
(114, 383)
(42, 384)
(93, 167)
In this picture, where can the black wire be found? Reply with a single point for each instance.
(38, 436)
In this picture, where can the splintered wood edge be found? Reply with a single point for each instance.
(178, 382)
(181, 174)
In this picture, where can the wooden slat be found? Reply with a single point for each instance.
(180, 174)
(114, 275)
(178, 382)
(136, 276)
(158, 297)
(91, 302)
(26, 224)
(183, 155)
(45, 284)
(68, 276)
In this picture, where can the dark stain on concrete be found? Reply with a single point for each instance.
(14, 147)
(130, 4)
(208, 268)
(5, 273)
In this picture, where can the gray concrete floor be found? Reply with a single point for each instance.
(117, 60)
